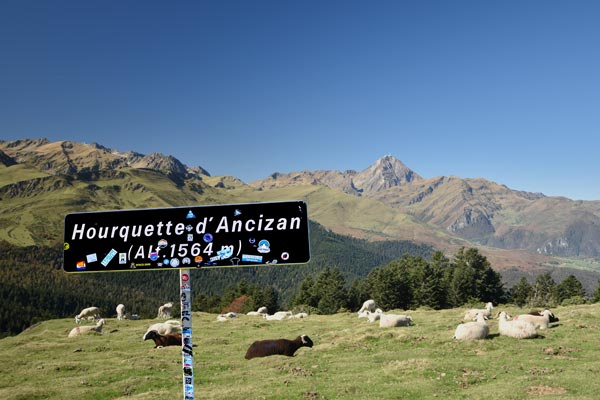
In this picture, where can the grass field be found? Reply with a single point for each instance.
(351, 359)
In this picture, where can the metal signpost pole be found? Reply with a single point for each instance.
(186, 334)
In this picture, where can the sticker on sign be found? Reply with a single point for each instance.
(232, 235)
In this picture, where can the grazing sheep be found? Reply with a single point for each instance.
(472, 330)
(88, 313)
(284, 347)
(515, 328)
(393, 320)
(541, 321)
(472, 313)
(375, 315)
(369, 306)
(164, 311)
(121, 312)
(80, 330)
(164, 328)
(173, 339)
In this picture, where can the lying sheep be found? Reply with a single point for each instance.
(284, 347)
(260, 312)
(553, 318)
(173, 339)
(88, 313)
(121, 312)
(278, 316)
(300, 315)
(472, 313)
(164, 311)
(515, 328)
(226, 316)
(394, 320)
(254, 314)
(540, 321)
(375, 315)
(472, 330)
(164, 328)
(81, 330)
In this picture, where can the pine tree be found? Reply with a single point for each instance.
(569, 288)
(543, 294)
(390, 285)
(304, 296)
(596, 297)
(473, 278)
(333, 292)
(520, 292)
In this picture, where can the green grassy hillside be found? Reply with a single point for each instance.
(351, 359)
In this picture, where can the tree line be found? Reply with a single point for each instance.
(343, 273)
(409, 282)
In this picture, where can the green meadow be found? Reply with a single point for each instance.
(351, 359)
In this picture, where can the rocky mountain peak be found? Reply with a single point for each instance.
(385, 173)
(168, 165)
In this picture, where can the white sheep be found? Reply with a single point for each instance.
(164, 311)
(259, 313)
(121, 312)
(300, 315)
(472, 313)
(164, 328)
(472, 330)
(540, 321)
(226, 316)
(278, 316)
(254, 314)
(80, 330)
(369, 306)
(393, 320)
(375, 315)
(515, 328)
(88, 313)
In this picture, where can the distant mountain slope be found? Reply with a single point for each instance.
(476, 210)
(41, 181)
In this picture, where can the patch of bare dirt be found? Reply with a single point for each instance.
(544, 390)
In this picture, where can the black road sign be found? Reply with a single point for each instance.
(233, 235)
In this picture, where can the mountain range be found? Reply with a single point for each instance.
(41, 181)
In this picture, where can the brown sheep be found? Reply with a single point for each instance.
(173, 339)
(284, 347)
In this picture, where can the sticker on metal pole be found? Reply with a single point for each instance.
(187, 354)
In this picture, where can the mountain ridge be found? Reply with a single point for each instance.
(387, 200)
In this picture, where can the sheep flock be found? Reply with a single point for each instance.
(475, 325)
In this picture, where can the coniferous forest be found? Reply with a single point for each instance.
(342, 273)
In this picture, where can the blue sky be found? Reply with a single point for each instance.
(508, 91)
